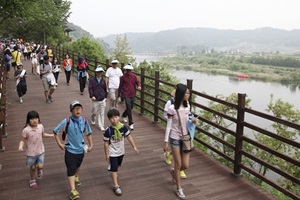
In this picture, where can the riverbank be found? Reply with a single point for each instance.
(231, 66)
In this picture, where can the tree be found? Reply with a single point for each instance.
(286, 111)
(122, 50)
(88, 46)
(40, 20)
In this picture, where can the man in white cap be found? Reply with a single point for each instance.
(129, 83)
(113, 75)
(98, 95)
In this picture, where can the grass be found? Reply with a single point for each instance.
(230, 67)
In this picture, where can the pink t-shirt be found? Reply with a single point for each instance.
(33, 140)
(175, 128)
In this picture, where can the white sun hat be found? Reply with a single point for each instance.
(128, 66)
(99, 69)
(114, 61)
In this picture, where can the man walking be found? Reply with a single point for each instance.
(98, 95)
(113, 75)
(129, 83)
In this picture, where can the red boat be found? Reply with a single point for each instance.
(239, 75)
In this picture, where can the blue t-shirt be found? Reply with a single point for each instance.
(74, 142)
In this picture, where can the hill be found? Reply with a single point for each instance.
(257, 40)
(77, 32)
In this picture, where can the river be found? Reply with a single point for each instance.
(258, 91)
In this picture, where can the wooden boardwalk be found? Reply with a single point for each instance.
(142, 177)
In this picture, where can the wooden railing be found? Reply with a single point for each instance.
(151, 99)
(2, 103)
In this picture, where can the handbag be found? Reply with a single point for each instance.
(187, 144)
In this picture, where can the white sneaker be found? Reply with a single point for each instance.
(21, 100)
(124, 119)
(180, 193)
(102, 129)
(93, 121)
(131, 127)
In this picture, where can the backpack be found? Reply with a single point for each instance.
(6, 58)
(65, 132)
(172, 100)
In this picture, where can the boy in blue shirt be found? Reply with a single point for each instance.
(74, 126)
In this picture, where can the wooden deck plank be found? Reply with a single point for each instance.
(142, 177)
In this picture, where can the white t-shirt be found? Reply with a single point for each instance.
(113, 75)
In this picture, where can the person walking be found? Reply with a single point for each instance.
(41, 53)
(178, 115)
(32, 139)
(48, 79)
(56, 68)
(7, 61)
(20, 76)
(75, 128)
(16, 57)
(82, 74)
(98, 95)
(113, 75)
(34, 62)
(168, 154)
(67, 65)
(129, 83)
(114, 146)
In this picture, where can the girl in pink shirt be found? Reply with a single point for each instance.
(32, 135)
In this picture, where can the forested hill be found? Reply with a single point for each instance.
(261, 39)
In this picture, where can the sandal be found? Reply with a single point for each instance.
(32, 184)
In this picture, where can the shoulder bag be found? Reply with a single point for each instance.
(187, 144)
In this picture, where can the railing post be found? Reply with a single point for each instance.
(107, 63)
(142, 90)
(239, 134)
(156, 94)
(189, 84)
(96, 62)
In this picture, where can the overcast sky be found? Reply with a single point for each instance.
(102, 18)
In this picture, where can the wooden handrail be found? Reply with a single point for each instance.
(151, 102)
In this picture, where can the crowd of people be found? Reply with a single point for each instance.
(111, 84)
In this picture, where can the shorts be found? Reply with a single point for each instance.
(73, 162)
(33, 160)
(175, 143)
(47, 86)
(34, 61)
(115, 163)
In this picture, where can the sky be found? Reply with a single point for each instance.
(102, 18)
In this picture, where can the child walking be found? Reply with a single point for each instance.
(114, 147)
(32, 135)
(20, 76)
(74, 126)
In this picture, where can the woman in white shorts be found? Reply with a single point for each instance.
(34, 62)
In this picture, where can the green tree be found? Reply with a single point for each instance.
(286, 111)
(40, 20)
(87, 46)
(122, 50)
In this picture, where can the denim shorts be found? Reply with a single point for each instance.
(33, 160)
(175, 143)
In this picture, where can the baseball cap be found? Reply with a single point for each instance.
(74, 103)
(19, 64)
